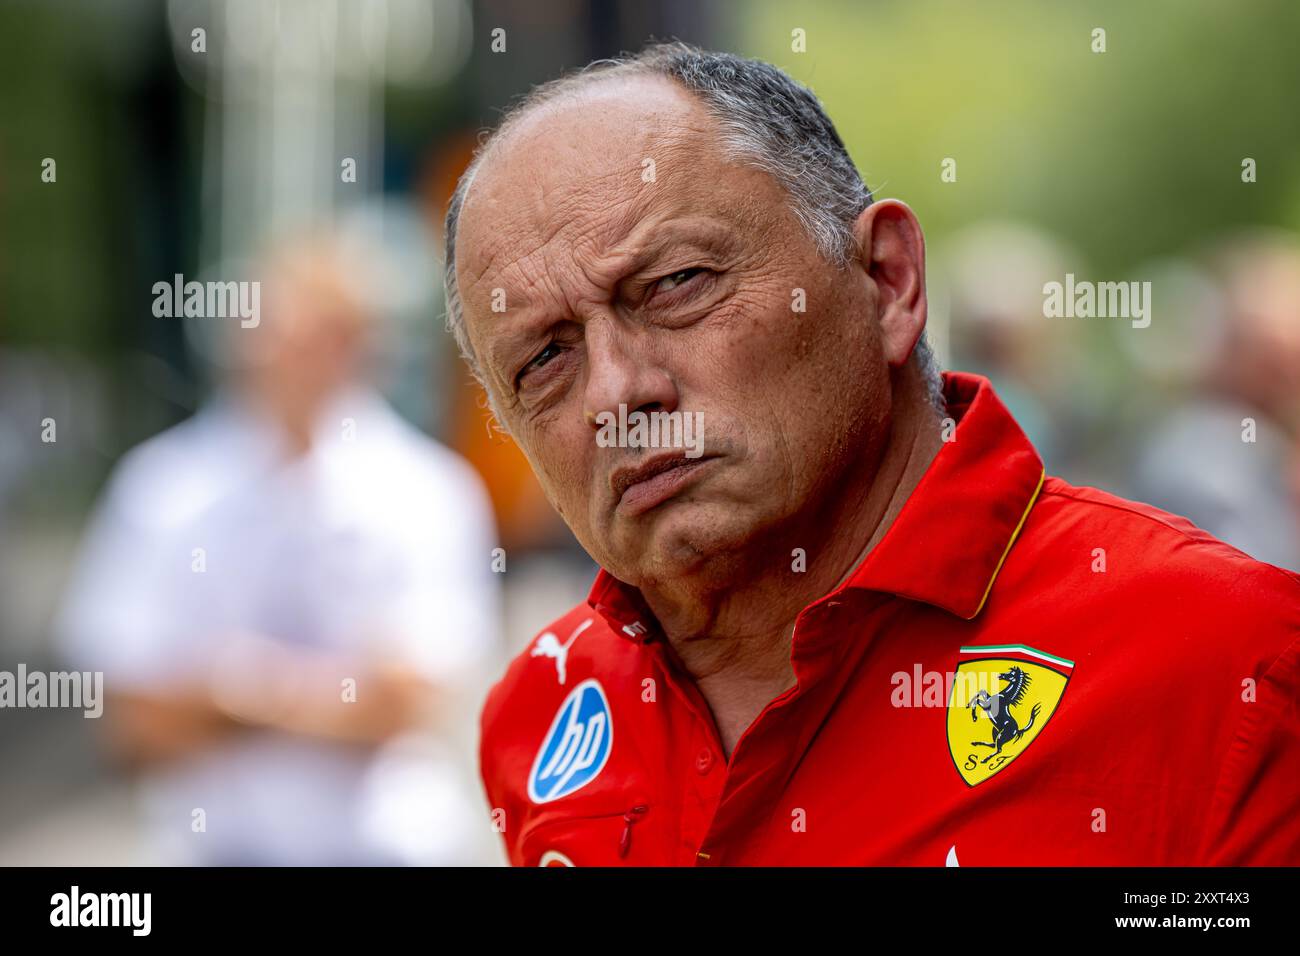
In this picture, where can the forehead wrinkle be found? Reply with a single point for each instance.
(532, 135)
(551, 210)
(606, 235)
(602, 257)
(548, 214)
(574, 241)
(601, 266)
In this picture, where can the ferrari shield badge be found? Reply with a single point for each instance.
(1003, 695)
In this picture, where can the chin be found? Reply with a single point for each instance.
(683, 539)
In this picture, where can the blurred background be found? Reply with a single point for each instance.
(226, 520)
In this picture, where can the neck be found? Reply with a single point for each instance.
(294, 414)
(738, 634)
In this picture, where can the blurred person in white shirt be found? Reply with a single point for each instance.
(289, 595)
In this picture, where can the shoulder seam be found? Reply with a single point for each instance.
(1288, 575)
(1127, 510)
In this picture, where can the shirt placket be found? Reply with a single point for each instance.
(702, 768)
(732, 796)
(827, 643)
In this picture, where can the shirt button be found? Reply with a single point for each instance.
(704, 761)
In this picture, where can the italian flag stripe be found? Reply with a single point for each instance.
(991, 649)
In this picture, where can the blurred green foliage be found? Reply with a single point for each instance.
(1127, 154)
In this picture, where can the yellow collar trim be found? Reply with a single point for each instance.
(1015, 534)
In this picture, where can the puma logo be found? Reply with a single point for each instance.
(548, 645)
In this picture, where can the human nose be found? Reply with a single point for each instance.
(623, 371)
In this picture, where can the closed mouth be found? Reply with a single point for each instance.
(624, 479)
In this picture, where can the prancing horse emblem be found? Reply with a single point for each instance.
(1006, 729)
(1017, 689)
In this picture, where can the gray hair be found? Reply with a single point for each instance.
(767, 121)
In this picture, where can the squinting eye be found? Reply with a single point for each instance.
(681, 277)
(540, 359)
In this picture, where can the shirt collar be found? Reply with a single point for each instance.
(957, 527)
(949, 540)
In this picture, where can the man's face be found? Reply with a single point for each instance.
(314, 334)
(637, 266)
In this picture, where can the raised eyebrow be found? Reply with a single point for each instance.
(631, 257)
(508, 350)
(643, 258)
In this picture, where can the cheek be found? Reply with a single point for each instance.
(798, 382)
(750, 343)
(766, 351)
(560, 454)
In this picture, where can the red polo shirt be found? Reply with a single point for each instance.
(1021, 672)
